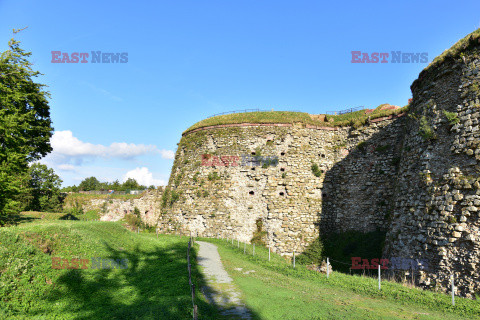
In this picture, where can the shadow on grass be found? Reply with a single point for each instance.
(154, 286)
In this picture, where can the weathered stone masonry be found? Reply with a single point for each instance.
(291, 201)
(415, 177)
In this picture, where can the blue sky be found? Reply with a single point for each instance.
(190, 59)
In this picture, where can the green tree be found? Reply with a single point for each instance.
(131, 184)
(89, 184)
(44, 188)
(25, 126)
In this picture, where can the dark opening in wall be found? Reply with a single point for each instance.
(324, 195)
(251, 193)
(253, 169)
(322, 155)
(282, 169)
(282, 154)
(282, 193)
(253, 153)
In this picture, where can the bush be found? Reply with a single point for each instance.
(313, 253)
(316, 170)
(259, 235)
(133, 221)
(425, 130)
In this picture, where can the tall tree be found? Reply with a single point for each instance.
(44, 188)
(25, 125)
(89, 184)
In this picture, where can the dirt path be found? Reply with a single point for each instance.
(220, 288)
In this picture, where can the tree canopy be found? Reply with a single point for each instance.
(25, 125)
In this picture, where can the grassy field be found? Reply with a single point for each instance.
(356, 118)
(154, 286)
(277, 291)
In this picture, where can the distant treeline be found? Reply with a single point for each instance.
(92, 184)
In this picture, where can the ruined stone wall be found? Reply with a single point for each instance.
(115, 209)
(352, 192)
(415, 177)
(437, 195)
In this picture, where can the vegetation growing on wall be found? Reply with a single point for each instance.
(259, 235)
(316, 170)
(451, 117)
(356, 118)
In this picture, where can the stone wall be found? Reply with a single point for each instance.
(115, 209)
(437, 196)
(415, 177)
(353, 188)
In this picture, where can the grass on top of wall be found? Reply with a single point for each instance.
(347, 119)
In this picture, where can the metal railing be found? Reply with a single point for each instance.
(346, 110)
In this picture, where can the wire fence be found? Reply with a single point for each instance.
(192, 285)
(245, 110)
(406, 277)
(349, 110)
(237, 111)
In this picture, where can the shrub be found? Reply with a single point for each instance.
(133, 221)
(316, 171)
(175, 196)
(313, 253)
(136, 211)
(259, 235)
(425, 130)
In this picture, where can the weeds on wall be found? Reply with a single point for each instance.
(425, 130)
(451, 117)
(259, 235)
(212, 176)
(316, 170)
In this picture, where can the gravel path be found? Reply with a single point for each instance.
(220, 289)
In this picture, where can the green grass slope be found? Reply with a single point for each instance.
(154, 286)
(277, 291)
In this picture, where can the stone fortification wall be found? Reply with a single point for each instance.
(350, 190)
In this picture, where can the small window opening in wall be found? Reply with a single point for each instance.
(322, 155)
(322, 171)
(253, 169)
(282, 169)
(282, 154)
(324, 195)
(282, 193)
(253, 153)
(251, 193)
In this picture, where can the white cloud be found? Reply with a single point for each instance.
(64, 143)
(144, 177)
(167, 154)
(66, 167)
